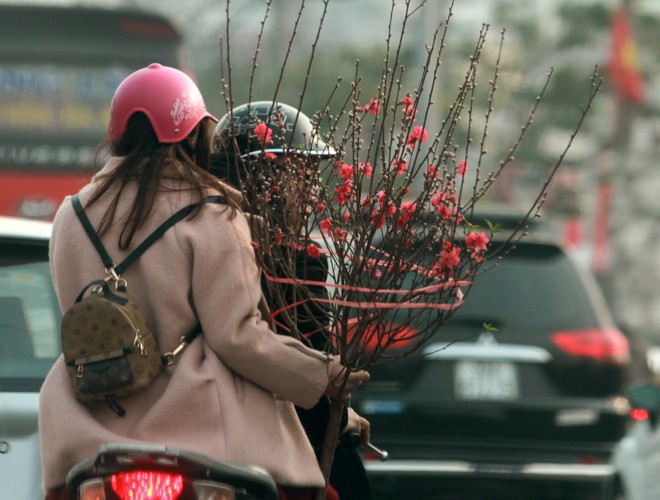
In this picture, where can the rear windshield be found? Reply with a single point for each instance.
(29, 316)
(534, 285)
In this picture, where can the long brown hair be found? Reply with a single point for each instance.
(148, 162)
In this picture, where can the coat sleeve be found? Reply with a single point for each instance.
(226, 291)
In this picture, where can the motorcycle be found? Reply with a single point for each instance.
(143, 472)
(153, 472)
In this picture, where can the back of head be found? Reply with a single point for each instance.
(158, 120)
(166, 96)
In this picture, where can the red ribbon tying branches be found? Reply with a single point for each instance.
(407, 304)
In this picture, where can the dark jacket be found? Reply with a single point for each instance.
(348, 475)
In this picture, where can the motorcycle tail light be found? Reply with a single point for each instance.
(607, 344)
(207, 490)
(146, 485)
(92, 489)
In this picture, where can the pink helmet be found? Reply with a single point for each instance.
(168, 97)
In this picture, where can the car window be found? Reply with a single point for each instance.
(535, 285)
(29, 316)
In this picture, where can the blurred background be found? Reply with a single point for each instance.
(603, 203)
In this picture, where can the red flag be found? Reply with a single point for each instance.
(623, 65)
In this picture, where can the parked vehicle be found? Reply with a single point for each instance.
(530, 406)
(29, 326)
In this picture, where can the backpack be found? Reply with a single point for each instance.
(109, 348)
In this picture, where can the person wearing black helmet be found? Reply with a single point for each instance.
(264, 145)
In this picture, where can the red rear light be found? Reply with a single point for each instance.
(147, 485)
(606, 344)
(639, 414)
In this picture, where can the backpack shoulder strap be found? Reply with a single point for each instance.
(93, 235)
(142, 247)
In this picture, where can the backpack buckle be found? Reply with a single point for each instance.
(120, 283)
(169, 357)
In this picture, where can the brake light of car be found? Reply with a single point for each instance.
(639, 414)
(603, 344)
(396, 337)
(147, 484)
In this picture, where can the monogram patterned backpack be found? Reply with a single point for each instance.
(109, 348)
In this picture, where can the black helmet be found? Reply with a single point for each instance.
(291, 131)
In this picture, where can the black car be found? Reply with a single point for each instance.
(528, 406)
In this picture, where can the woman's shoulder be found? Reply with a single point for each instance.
(214, 218)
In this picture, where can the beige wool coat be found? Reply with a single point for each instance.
(230, 394)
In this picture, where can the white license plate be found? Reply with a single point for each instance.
(485, 380)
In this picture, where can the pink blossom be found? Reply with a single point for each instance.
(400, 166)
(340, 234)
(477, 241)
(411, 112)
(320, 207)
(418, 134)
(431, 172)
(326, 225)
(313, 251)
(343, 192)
(406, 101)
(442, 202)
(408, 208)
(462, 167)
(365, 201)
(378, 218)
(264, 133)
(278, 237)
(407, 211)
(373, 107)
(346, 171)
(449, 259)
(366, 168)
(448, 213)
(444, 211)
